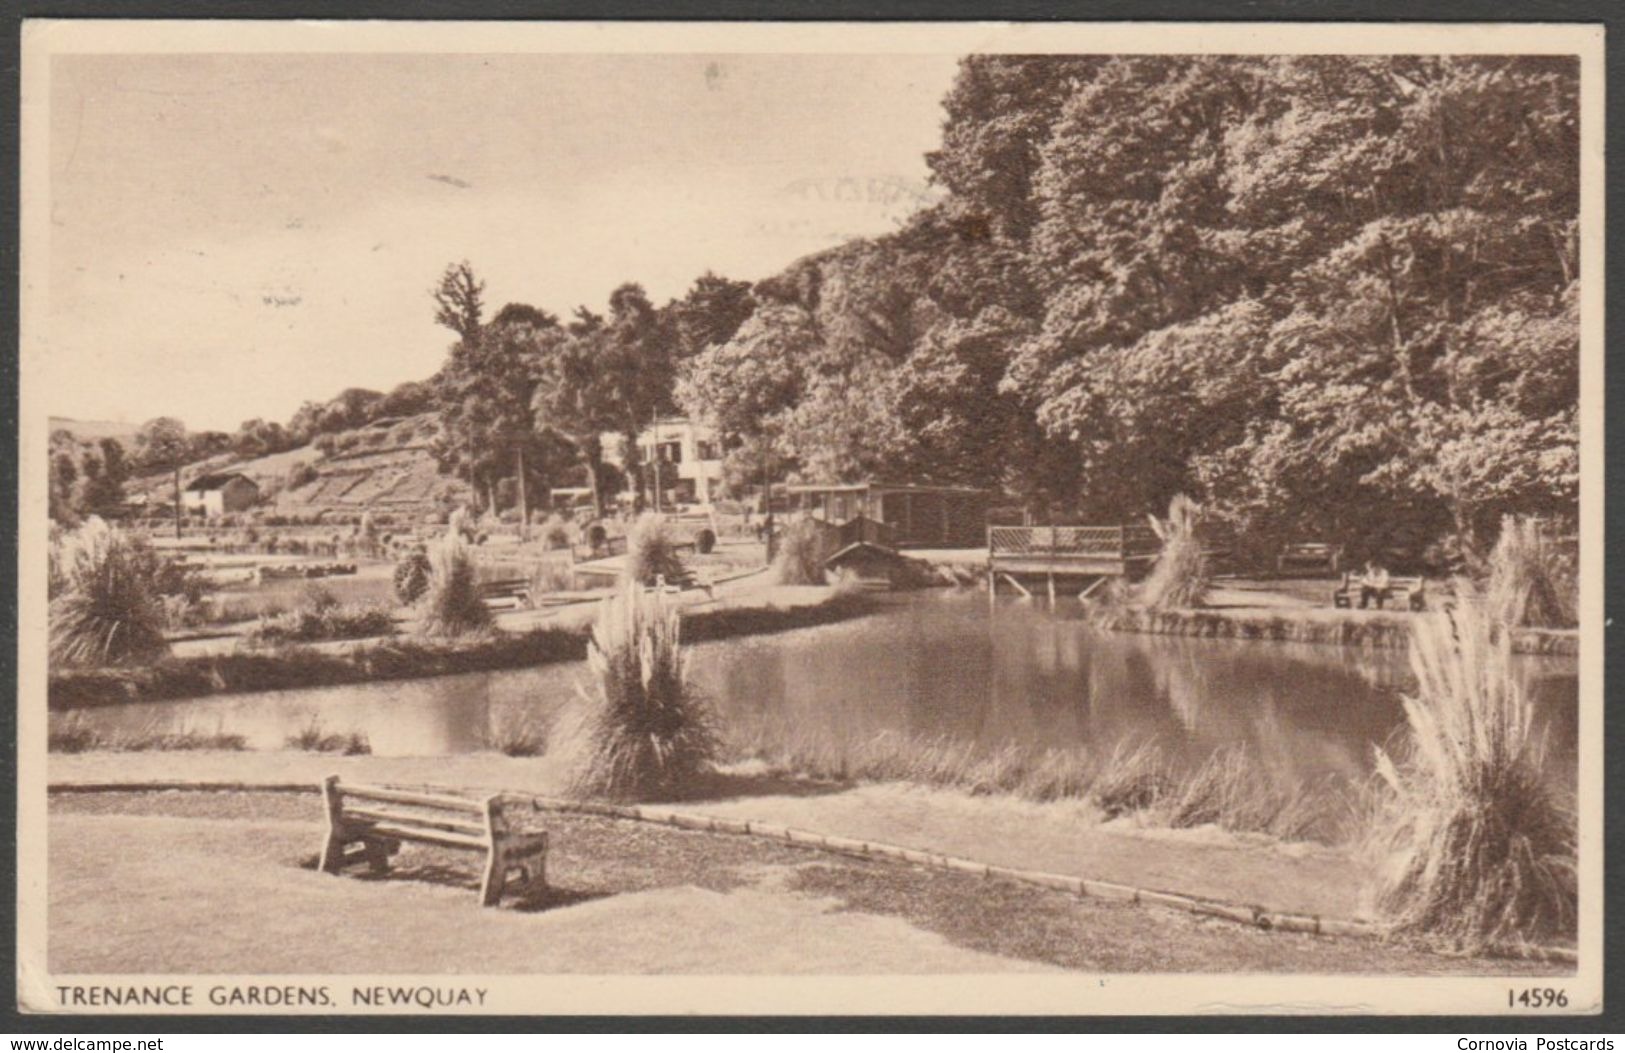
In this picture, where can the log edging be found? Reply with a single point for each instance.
(1085, 888)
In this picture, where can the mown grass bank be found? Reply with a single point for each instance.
(1365, 631)
(401, 659)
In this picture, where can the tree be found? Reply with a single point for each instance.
(744, 389)
(459, 301)
(161, 445)
(636, 357)
(103, 491)
(62, 506)
(710, 313)
(575, 398)
(485, 418)
(525, 314)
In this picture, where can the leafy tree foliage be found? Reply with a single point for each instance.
(1328, 296)
(161, 445)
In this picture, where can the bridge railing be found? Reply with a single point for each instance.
(1099, 542)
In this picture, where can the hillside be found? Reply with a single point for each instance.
(385, 466)
(90, 431)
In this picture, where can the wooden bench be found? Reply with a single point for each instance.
(506, 592)
(376, 819)
(1311, 556)
(1406, 591)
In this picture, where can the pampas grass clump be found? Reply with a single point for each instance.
(1474, 847)
(108, 610)
(643, 734)
(452, 606)
(651, 552)
(1180, 576)
(800, 559)
(1531, 583)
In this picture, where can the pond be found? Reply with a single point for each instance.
(934, 665)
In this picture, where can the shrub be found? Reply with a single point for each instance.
(802, 550)
(705, 541)
(644, 733)
(1180, 576)
(109, 610)
(518, 731)
(551, 575)
(317, 598)
(303, 473)
(556, 533)
(452, 606)
(412, 576)
(312, 738)
(341, 621)
(1531, 583)
(651, 551)
(1473, 845)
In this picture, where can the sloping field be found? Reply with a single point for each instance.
(386, 465)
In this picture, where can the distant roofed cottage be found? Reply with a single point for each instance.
(918, 514)
(217, 494)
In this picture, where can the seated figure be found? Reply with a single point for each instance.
(1374, 585)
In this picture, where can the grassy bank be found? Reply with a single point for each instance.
(1321, 627)
(1229, 790)
(624, 898)
(400, 659)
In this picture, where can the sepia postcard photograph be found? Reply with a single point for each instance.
(827, 518)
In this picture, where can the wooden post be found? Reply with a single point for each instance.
(1019, 586)
(496, 863)
(333, 850)
(1052, 590)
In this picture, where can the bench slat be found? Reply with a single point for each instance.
(439, 822)
(436, 837)
(427, 800)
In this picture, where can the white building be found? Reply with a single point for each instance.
(683, 454)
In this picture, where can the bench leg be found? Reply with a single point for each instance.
(378, 853)
(333, 851)
(496, 876)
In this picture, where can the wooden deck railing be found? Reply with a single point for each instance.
(1079, 542)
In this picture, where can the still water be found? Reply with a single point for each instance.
(932, 664)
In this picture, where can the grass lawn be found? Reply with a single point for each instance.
(224, 882)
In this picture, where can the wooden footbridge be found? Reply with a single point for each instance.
(1077, 558)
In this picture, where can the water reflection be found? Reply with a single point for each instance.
(933, 665)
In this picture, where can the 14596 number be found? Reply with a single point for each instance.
(1538, 998)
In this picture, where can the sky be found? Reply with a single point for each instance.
(232, 235)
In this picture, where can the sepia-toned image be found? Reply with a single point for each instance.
(551, 519)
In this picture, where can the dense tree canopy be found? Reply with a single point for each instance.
(1329, 296)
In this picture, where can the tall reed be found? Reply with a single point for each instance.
(651, 551)
(109, 610)
(802, 550)
(643, 732)
(1180, 575)
(452, 607)
(1531, 581)
(1473, 844)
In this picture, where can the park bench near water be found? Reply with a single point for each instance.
(366, 824)
(1406, 592)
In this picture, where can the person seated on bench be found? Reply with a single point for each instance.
(1374, 585)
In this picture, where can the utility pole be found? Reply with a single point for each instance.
(654, 455)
